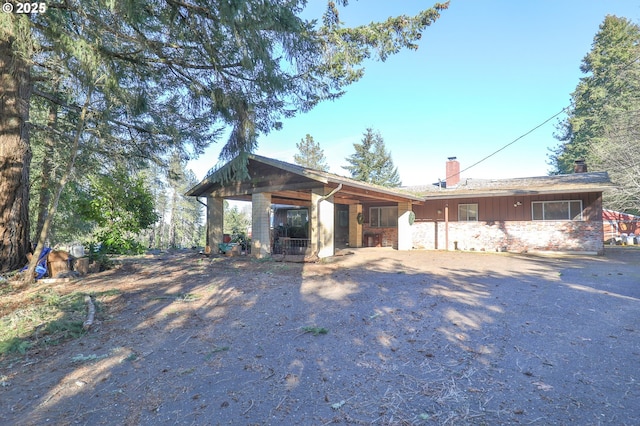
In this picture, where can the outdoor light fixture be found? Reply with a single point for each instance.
(516, 204)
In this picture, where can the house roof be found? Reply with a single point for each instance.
(569, 183)
(290, 183)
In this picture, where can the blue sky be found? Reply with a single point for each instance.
(485, 73)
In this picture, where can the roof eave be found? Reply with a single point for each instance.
(514, 192)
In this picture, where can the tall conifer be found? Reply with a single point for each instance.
(310, 154)
(135, 79)
(372, 162)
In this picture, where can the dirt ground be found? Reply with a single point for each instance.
(377, 337)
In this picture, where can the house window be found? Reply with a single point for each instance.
(556, 210)
(297, 218)
(467, 212)
(383, 217)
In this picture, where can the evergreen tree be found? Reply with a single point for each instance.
(235, 221)
(601, 123)
(15, 151)
(124, 91)
(186, 212)
(310, 154)
(608, 90)
(372, 163)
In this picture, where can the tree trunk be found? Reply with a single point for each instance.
(15, 158)
(47, 167)
(29, 276)
(174, 218)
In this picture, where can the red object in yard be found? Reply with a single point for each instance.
(617, 223)
(226, 238)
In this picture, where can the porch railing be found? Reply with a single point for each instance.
(286, 245)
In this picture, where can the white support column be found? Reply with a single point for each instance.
(322, 223)
(314, 225)
(405, 230)
(261, 225)
(215, 218)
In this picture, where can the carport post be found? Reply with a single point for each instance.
(215, 220)
(405, 236)
(322, 222)
(261, 224)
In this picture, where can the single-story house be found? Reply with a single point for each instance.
(549, 213)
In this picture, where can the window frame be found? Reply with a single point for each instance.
(379, 217)
(569, 218)
(460, 219)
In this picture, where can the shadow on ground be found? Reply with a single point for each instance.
(411, 338)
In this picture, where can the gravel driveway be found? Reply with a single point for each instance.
(376, 337)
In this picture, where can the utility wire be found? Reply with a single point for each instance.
(513, 141)
(622, 67)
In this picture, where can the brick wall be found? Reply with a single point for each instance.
(513, 236)
(388, 236)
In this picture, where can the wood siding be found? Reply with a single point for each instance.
(503, 209)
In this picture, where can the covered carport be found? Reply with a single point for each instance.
(265, 182)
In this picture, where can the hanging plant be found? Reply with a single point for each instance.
(360, 218)
(412, 218)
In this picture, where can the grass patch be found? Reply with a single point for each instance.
(187, 371)
(314, 330)
(5, 288)
(87, 358)
(215, 351)
(132, 357)
(186, 297)
(41, 319)
(112, 292)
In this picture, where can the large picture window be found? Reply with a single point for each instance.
(467, 212)
(383, 217)
(556, 210)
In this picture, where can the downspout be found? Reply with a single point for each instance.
(324, 197)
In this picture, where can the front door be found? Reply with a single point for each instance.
(341, 226)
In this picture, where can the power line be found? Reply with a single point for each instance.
(513, 141)
(621, 68)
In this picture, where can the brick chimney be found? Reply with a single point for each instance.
(453, 172)
(579, 166)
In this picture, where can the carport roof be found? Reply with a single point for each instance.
(288, 183)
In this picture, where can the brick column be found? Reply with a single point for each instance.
(215, 218)
(322, 223)
(261, 225)
(405, 237)
(355, 228)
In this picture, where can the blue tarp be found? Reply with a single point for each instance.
(41, 267)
